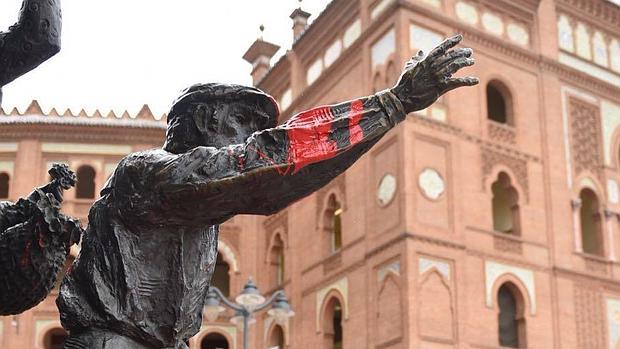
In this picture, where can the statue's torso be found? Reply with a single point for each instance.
(145, 282)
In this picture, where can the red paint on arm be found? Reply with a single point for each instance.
(309, 135)
(356, 134)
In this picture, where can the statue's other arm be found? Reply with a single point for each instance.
(34, 243)
(278, 166)
(32, 40)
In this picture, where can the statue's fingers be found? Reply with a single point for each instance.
(451, 55)
(445, 46)
(415, 59)
(453, 83)
(455, 65)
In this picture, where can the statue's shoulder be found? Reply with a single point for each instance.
(144, 159)
(135, 167)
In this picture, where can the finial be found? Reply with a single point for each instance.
(262, 31)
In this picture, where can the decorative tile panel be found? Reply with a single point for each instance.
(425, 264)
(385, 270)
(518, 33)
(611, 120)
(286, 99)
(7, 166)
(8, 147)
(431, 183)
(352, 33)
(590, 43)
(613, 323)
(583, 41)
(466, 12)
(332, 53)
(565, 31)
(585, 136)
(493, 23)
(589, 318)
(314, 71)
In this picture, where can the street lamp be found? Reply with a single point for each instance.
(247, 303)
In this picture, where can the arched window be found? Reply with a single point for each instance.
(511, 322)
(214, 341)
(276, 339)
(505, 206)
(333, 223)
(591, 229)
(4, 185)
(276, 261)
(499, 103)
(55, 338)
(221, 276)
(85, 187)
(332, 325)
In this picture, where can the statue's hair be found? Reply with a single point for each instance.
(201, 99)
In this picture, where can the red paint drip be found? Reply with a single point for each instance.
(309, 138)
(25, 259)
(356, 134)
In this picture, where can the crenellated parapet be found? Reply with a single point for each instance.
(34, 110)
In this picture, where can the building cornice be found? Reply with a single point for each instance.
(81, 133)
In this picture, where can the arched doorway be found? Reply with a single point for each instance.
(511, 319)
(276, 339)
(333, 337)
(221, 276)
(85, 187)
(54, 338)
(214, 341)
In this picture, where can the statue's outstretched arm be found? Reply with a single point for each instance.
(34, 243)
(278, 166)
(32, 40)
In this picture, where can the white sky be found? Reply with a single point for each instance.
(121, 54)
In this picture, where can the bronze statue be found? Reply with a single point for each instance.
(34, 243)
(34, 236)
(150, 247)
(31, 41)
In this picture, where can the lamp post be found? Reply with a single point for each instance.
(247, 303)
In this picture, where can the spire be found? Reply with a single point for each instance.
(111, 115)
(259, 55)
(145, 113)
(68, 112)
(34, 108)
(300, 21)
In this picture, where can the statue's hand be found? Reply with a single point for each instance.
(426, 79)
(62, 179)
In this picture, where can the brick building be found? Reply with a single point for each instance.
(489, 220)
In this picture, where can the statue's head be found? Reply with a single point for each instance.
(218, 115)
